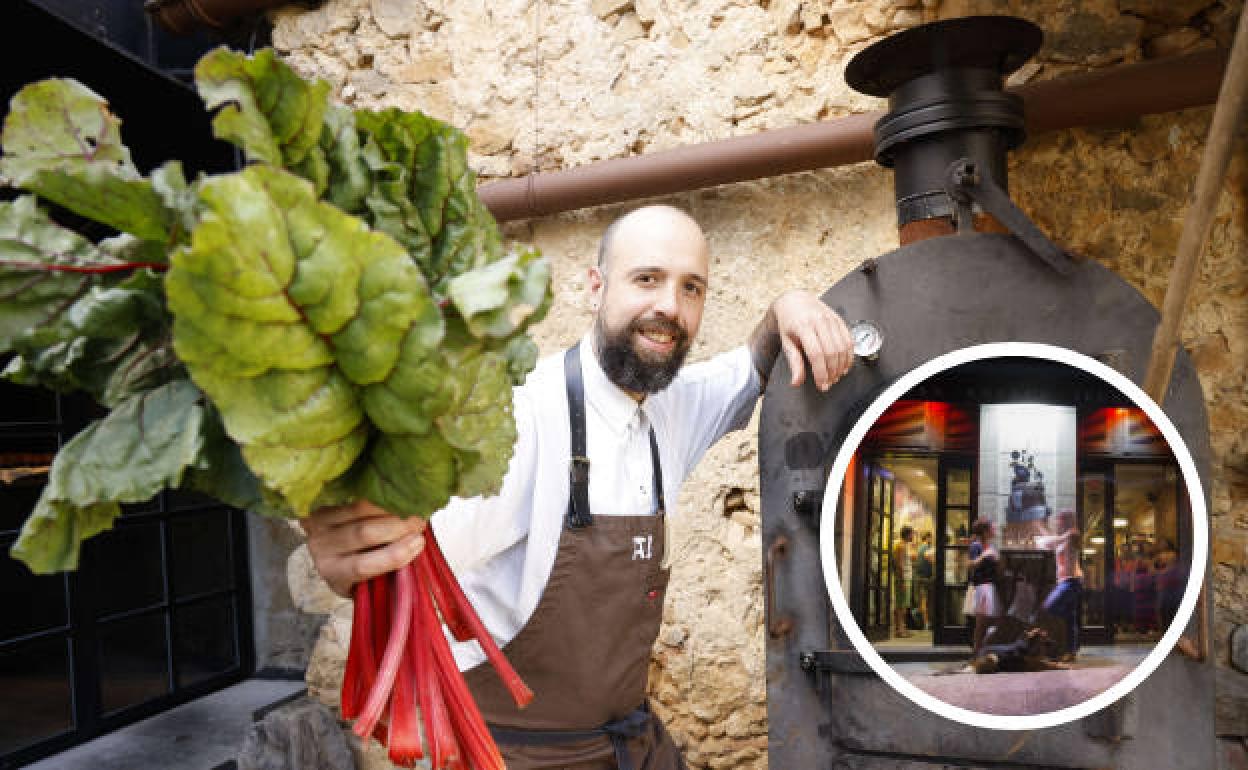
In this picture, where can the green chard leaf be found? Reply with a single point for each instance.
(405, 173)
(111, 342)
(284, 307)
(33, 291)
(221, 472)
(479, 424)
(347, 177)
(267, 110)
(61, 143)
(502, 298)
(425, 193)
(140, 448)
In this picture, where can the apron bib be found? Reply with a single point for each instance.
(585, 652)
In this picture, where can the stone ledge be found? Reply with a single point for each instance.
(1020, 694)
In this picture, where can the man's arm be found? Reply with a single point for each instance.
(803, 327)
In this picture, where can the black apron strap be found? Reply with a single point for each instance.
(632, 725)
(578, 470)
(658, 472)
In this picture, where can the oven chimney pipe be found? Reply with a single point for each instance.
(948, 110)
(1107, 96)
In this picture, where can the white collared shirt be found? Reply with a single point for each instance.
(502, 548)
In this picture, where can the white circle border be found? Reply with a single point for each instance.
(1102, 699)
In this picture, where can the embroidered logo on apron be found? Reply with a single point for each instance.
(643, 547)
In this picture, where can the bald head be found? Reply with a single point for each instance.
(655, 223)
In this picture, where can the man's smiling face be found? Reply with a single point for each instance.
(648, 297)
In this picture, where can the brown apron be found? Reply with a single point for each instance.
(585, 652)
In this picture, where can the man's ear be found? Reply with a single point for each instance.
(594, 286)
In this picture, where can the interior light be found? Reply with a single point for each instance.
(1120, 523)
(1097, 540)
(1089, 550)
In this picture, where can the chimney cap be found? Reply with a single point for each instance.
(997, 43)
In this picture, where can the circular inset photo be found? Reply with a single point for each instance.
(1014, 535)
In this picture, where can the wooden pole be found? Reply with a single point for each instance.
(1228, 116)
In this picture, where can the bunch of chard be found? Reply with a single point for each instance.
(336, 320)
(400, 661)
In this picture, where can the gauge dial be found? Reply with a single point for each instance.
(868, 339)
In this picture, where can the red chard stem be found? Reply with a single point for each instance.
(441, 571)
(401, 620)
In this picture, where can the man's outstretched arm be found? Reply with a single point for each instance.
(808, 331)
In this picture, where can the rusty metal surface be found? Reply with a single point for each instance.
(929, 298)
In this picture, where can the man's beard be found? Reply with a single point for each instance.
(625, 367)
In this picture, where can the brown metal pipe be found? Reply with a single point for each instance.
(182, 17)
(1109, 96)
(1123, 93)
(768, 153)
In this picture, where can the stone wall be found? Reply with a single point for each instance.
(559, 83)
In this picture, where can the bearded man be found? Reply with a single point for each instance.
(568, 568)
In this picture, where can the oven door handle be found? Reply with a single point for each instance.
(778, 625)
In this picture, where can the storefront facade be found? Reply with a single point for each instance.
(1014, 443)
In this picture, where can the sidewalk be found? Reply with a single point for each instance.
(1097, 669)
(204, 734)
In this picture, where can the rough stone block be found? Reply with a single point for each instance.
(397, 17)
(629, 28)
(848, 25)
(1164, 11)
(308, 591)
(1173, 43)
(427, 68)
(604, 8)
(1239, 648)
(303, 734)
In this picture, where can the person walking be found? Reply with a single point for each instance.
(903, 581)
(982, 602)
(1064, 601)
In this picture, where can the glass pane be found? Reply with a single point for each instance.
(955, 596)
(201, 553)
(1148, 577)
(957, 526)
(1092, 505)
(37, 603)
(185, 500)
(204, 640)
(958, 486)
(126, 569)
(35, 701)
(955, 565)
(23, 404)
(23, 469)
(134, 665)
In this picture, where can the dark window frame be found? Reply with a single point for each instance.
(82, 630)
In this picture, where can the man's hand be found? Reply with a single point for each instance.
(352, 543)
(805, 328)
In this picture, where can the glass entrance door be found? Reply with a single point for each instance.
(1095, 518)
(877, 595)
(955, 514)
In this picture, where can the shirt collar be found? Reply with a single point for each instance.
(617, 408)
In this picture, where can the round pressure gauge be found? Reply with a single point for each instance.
(867, 340)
